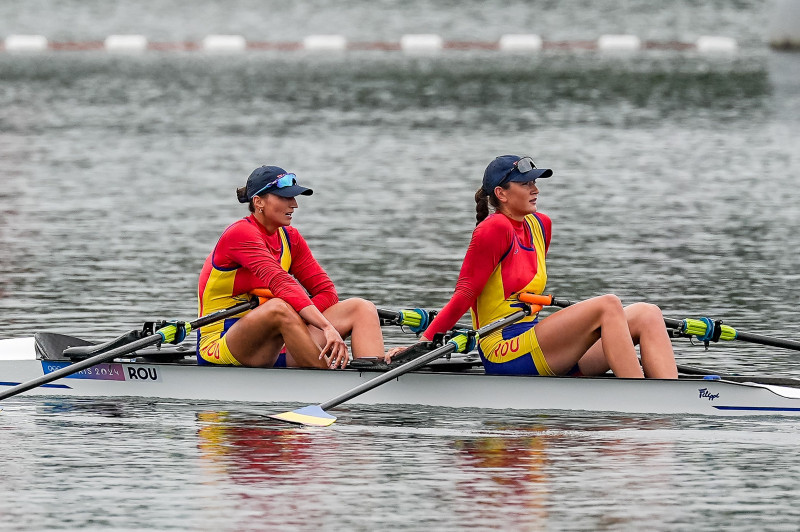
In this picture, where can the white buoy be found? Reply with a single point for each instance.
(126, 43)
(520, 43)
(421, 43)
(711, 44)
(784, 24)
(325, 43)
(26, 43)
(224, 43)
(619, 43)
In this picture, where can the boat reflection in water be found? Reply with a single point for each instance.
(249, 451)
(543, 474)
(509, 473)
(537, 471)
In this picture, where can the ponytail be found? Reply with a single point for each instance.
(241, 195)
(482, 202)
(481, 205)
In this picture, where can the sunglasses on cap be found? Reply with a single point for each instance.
(524, 166)
(286, 180)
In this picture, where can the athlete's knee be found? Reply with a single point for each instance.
(610, 303)
(651, 310)
(367, 307)
(362, 307)
(646, 314)
(279, 311)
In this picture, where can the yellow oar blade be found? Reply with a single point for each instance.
(311, 415)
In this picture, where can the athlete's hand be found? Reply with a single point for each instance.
(335, 350)
(393, 352)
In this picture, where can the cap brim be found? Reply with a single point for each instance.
(290, 192)
(536, 173)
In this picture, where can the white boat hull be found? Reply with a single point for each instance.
(471, 389)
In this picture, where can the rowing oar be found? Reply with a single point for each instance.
(417, 320)
(705, 329)
(316, 415)
(168, 333)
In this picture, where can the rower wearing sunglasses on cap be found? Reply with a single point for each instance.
(261, 251)
(506, 256)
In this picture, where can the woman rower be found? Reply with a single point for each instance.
(260, 251)
(506, 256)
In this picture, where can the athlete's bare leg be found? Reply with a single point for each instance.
(358, 319)
(567, 335)
(257, 338)
(646, 324)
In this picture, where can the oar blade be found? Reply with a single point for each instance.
(312, 416)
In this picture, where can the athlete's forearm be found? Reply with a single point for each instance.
(313, 316)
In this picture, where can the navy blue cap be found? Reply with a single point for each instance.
(269, 175)
(504, 170)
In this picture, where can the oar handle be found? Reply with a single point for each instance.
(416, 320)
(418, 362)
(148, 341)
(263, 294)
(543, 300)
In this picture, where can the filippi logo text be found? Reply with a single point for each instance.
(708, 395)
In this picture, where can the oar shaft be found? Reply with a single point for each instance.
(80, 366)
(389, 375)
(251, 303)
(416, 363)
(670, 323)
(766, 340)
(153, 339)
(388, 314)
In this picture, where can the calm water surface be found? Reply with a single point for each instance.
(224, 467)
(675, 182)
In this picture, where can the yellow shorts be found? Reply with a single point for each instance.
(216, 352)
(514, 351)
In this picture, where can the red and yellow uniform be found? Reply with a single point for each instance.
(504, 257)
(246, 257)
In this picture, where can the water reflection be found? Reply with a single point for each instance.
(509, 473)
(249, 451)
(280, 475)
(531, 473)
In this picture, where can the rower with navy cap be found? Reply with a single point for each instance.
(263, 251)
(506, 256)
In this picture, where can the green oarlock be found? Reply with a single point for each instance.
(463, 342)
(411, 318)
(174, 333)
(699, 328)
(728, 333)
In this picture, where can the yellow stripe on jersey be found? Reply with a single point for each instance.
(496, 300)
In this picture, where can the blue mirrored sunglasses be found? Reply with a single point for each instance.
(286, 180)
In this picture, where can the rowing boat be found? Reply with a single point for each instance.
(459, 382)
